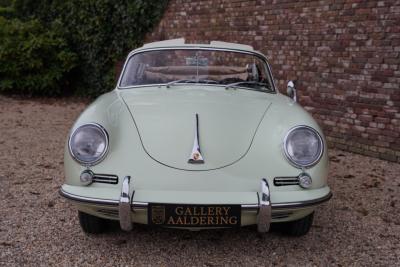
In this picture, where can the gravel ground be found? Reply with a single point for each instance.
(359, 226)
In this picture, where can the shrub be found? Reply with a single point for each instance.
(6, 9)
(6, 12)
(34, 60)
(100, 32)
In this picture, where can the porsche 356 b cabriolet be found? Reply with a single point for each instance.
(196, 136)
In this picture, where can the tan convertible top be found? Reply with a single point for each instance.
(170, 73)
(175, 43)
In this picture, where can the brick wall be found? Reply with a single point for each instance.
(343, 54)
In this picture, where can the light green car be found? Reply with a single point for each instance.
(196, 136)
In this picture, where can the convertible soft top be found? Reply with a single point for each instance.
(170, 73)
(174, 43)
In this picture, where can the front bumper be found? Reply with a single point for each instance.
(260, 208)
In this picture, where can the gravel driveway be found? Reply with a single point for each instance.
(359, 226)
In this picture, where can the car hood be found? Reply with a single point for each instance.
(165, 119)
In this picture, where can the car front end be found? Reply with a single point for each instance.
(196, 153)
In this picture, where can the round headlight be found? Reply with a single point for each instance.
(88, 144)
(303, 146)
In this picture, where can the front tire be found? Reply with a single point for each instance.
(298, 227)
(91, 224)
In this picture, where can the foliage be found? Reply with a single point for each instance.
(6, 3)
(6, 12)
(6, 8)
(100, 32)
(35, 60)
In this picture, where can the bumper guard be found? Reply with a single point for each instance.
(264, 212)
(264, 208)
(124, 206)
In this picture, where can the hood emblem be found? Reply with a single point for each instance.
(196, 157)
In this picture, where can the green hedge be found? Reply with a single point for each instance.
(101, 32)
(98, 32)
(34, 60)
(6, 11)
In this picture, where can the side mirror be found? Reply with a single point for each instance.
(291, 91)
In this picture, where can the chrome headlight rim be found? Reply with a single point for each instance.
(103, 154)
(289, 158)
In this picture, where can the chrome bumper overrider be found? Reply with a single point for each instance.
(264, 212)
(124, 207)
(264, 207)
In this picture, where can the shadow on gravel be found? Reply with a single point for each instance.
(213, 235)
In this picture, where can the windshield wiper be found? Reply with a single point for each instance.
(178, 81)
(208, 81)
(238, 84)
(168, 85)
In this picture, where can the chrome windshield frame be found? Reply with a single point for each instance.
(197, 47)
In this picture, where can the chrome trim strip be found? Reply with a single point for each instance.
(284, 181)
(106, 176)
(105, 181)
(143, 205)
(139, 206)
(102, 181)
(250, 207)
(97, 201)
(124, 207)
(103, 178)
(303, 204)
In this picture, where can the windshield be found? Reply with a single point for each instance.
(173, 66)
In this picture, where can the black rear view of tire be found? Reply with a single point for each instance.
(91, 224)
(299, 227)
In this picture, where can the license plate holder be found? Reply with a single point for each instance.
(188, 215)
